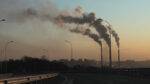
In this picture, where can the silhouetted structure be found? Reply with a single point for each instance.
(33, 65)
(30, 65)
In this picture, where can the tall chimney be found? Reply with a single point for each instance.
(101, 56)
(110, 57)
(118, 58)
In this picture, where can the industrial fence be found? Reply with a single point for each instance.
(39, 79)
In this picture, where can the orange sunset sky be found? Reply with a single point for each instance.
(129, 18)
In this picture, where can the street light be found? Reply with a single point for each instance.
(1, 20)
(71, 52)
(6, 53)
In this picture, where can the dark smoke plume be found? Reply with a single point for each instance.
(49, 12)
(78, 29)
(102, 30)
(115, 35)
(95, 37)
(86, 18)
(89, 19)
(52, 14)
(87, 32)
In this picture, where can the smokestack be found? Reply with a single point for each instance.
(116, 36)
(118, 58)
(101, 55)
(110, 56)
(95, 37)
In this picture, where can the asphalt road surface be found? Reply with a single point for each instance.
(93, 78)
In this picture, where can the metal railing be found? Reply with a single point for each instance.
(19, 80)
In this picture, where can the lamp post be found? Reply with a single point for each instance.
(6, 54)
(71, 52)
(1, 64)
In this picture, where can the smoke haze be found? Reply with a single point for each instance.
(40, 19)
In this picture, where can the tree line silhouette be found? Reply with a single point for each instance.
(30, 65)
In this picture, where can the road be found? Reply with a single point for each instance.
(93, 78)
(84, 78)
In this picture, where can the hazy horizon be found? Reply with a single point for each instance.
(31, 35)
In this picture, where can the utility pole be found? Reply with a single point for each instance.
(1, 65)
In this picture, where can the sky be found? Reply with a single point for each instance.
(130, 19)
